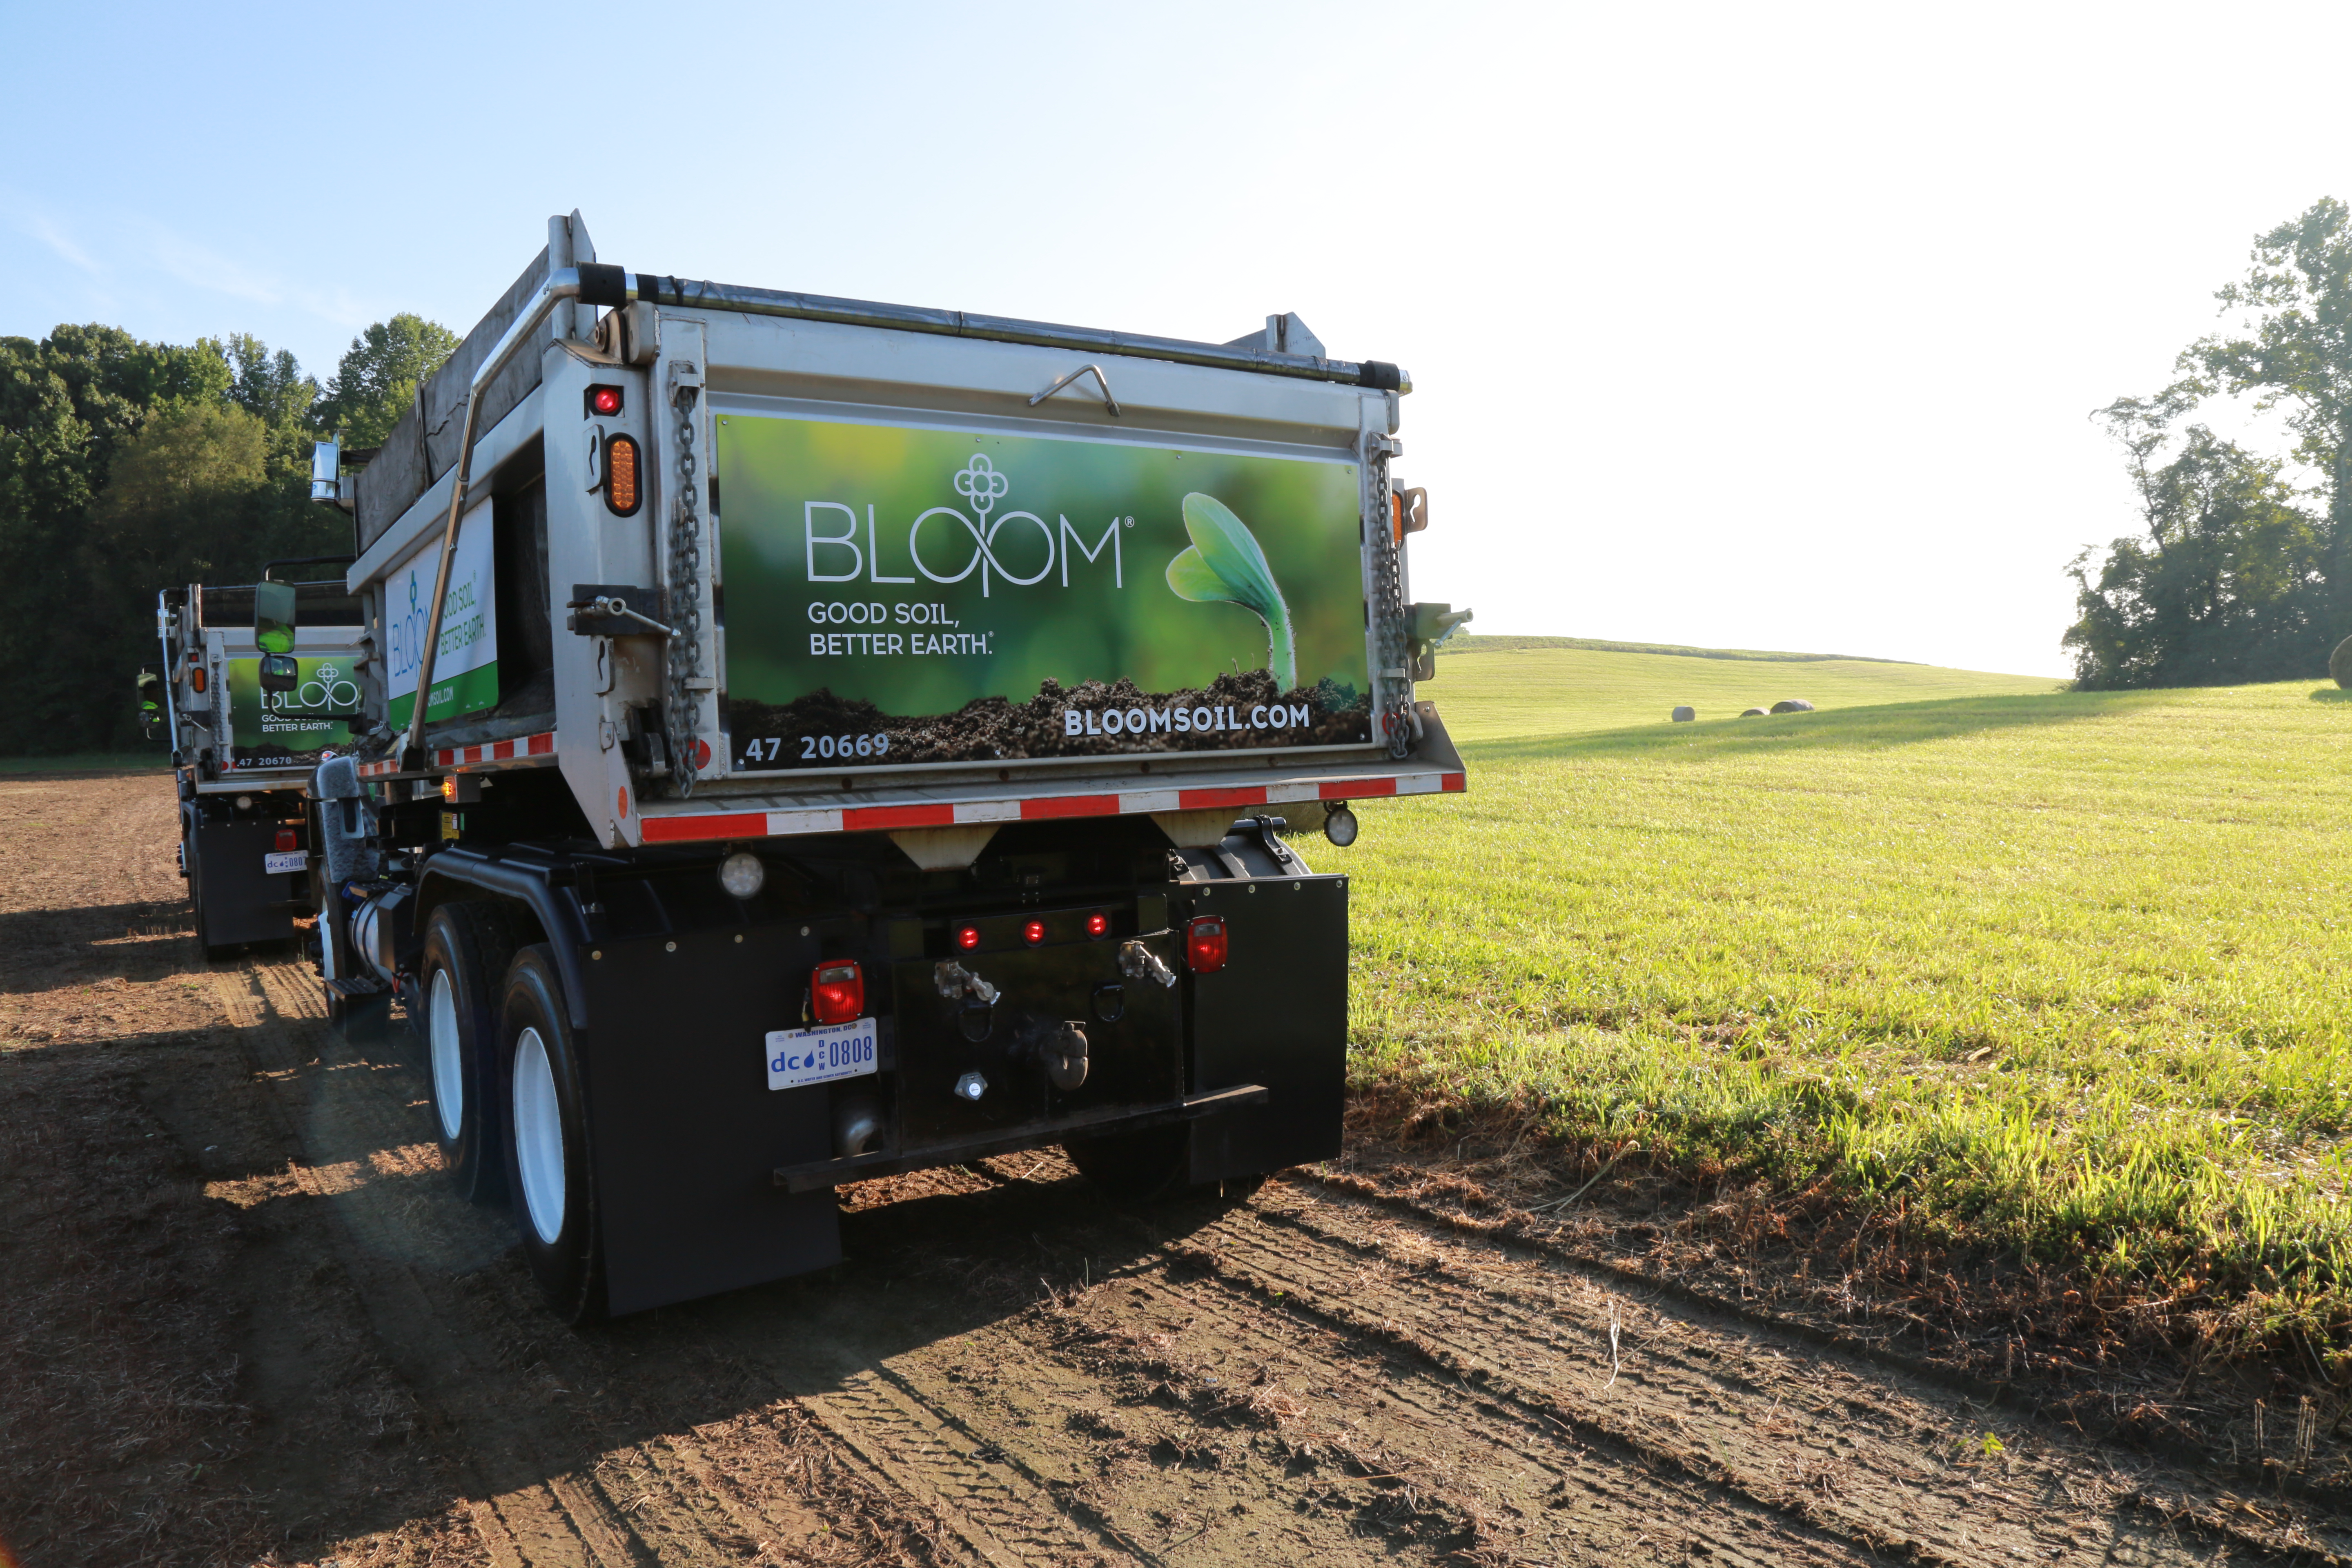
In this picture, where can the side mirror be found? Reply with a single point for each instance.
(273, 617)
(150, 700)
(279, 672)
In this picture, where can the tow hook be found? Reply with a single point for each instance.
(1138, 962)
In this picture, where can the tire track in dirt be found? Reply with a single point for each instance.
(1007, 1369)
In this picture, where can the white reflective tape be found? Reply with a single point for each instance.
(1293, 792)
(1150, 800)
(786, 823)
(1421, 784)
(988, 811)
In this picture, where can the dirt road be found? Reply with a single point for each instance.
(247, 1323)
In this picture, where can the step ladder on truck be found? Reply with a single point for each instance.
(858, 738)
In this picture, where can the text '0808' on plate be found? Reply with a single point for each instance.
(800, 1057)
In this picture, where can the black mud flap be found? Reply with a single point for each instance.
(242, 901)
(686, 1131)
(1276, 1015)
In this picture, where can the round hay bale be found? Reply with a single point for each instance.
(1792, 705)
(2339, 663)
(1685, 714)
(1752, 713)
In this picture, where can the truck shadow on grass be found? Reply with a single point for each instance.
(1877, 728)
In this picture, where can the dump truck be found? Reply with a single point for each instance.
(245, 744)
(808, 740)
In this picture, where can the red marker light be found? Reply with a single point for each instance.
(837, 993)
(1204, 945)
(967, 937)
(1097, 924)
(1034, 932)
(604, 400)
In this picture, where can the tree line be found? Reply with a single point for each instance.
(127, 466)
(2238, 571)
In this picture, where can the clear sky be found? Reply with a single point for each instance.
(1739, 326)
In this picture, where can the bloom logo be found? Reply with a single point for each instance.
(982, 484)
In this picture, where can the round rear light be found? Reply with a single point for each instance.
(967, 937)
(1034, 932)
(742, 874)
(1097, 924)
(608, 400)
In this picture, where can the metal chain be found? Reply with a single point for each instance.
(685, 605)
(1390, 635)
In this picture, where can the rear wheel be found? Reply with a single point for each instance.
(547, 1155)
(466, 949)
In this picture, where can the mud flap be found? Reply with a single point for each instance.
(686, 1131)
(1276, 1015)
(242, 901)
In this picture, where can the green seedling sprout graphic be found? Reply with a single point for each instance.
(1225, 565)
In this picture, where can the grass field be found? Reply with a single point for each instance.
(2058, 973)
(157, 761)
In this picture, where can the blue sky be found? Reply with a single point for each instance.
(1733, 325)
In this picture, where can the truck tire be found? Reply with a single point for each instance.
(467, 947)
(546, 1155)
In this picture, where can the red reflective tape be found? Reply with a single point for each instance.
(1069, 806)
(869, 817)
(685, 829)
(1358, 789)
(1235, 794)
(501, 751)
(1457, 781)
(541, 745)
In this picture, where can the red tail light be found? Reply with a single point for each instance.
(1204, 945)
(604, 400)
(967, 937)
(837, 993)
(285, 839)
(1034, 932)
(1097, 924)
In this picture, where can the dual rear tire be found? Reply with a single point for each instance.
(508, 1093)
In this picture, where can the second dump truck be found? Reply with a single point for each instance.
(808, 739)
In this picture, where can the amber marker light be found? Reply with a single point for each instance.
(621, 490)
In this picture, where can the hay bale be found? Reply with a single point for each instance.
(1792, 705)
(2339, 663)
(1752, 713)
(1685, 714)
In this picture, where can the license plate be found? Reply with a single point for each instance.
(286, 861)
(800, 1057)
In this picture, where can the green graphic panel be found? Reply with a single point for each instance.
(280, 729)
(927, 596)
(468, 693)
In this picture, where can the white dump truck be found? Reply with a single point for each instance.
(244, 747)
(810, 739)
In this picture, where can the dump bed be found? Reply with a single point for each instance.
(811, 565)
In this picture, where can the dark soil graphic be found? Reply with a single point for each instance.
(809, 732)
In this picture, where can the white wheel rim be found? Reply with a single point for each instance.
(449, 1062)
(539, 1136)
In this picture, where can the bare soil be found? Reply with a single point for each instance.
(249, 1323)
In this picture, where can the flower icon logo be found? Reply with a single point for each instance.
(980, 483)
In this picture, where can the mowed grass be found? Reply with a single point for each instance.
(2063, 973)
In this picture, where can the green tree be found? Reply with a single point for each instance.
(2227, 582)
(2296, 352)
(378, 377)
